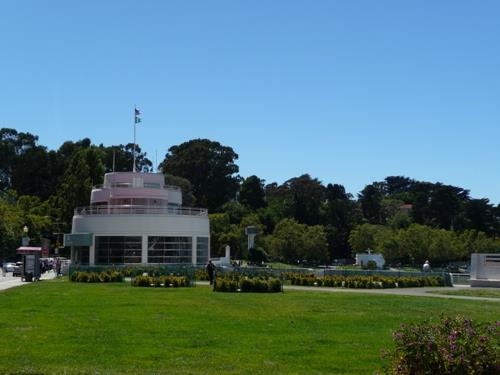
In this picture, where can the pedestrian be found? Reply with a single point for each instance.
(2, 266)
(211, 272)
(426, 267)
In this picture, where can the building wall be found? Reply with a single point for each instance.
(145, 226)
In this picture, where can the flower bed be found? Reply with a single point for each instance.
(166, 281)
(96, 277)
(450, 346)
(364, 282)
(246, 284)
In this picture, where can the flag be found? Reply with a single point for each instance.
(137, 114)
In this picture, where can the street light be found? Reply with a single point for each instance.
(25, 239)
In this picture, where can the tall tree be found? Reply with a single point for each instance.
(12, 146)
(123, 156)
(84, 171)
(340, 216)
(308, 196)
(370, 200)
(252, 193)
(209, 166)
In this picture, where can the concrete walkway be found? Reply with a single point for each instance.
(413, 292)
(8, 281)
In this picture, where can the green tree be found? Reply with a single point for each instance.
(123, 156)
(370, 199)
(252, 193)
(85, 170)
(362, 237)
(308, 196)
(210, 168)
(188, 198)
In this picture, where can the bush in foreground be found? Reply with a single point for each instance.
(166, 281)
(247, 284)
(450, 346)
(364, 282)
(96, 277)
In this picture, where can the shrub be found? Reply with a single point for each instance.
(246, 285)
(450, 346)
(104, 277)
(144, 281)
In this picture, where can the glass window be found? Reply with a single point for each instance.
(202, 253)
(170, 250)
(118, 249)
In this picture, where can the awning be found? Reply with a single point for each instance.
(28, 250)
(78, 239)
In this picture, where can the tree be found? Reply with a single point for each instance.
(370, 200)
(12, 145)
(252, 193)
(362, 237)
(124, 158)
(308, 195)
(188, 198)
(209, 167)
(85, 170)
(339, 215)
(292, 242)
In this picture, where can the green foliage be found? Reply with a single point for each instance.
(371, 265)
(362, 282)
(292, 241)
(96, 277)
(450, 346)
(257, 255)
(166, 281)
(246, 284)
(210, 168)
(252, 193)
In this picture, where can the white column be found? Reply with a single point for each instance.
(91, 255)
(144, 253)
(193, 249)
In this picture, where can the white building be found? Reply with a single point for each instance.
(362, 259)
(134, 218)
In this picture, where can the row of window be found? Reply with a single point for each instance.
(127, 250)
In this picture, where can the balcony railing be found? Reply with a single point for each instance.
(131, 185)
(140, 210)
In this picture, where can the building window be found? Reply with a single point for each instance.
(201, 250)
(118, 249)
(81, 254)
(170, 250)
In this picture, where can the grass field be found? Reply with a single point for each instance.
(62, 327)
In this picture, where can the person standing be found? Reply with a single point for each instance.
(426, 267)
(211, 272)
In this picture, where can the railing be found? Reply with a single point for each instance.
(140, 210)
(129, 185)
(460, 278)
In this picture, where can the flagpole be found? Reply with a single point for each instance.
(135, 124)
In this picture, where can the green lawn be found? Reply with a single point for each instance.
(491, 293)
(62, 327)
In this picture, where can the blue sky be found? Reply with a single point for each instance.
(349, 92)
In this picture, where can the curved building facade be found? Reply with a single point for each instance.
(134, 218)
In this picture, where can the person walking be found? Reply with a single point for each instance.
(211, 272)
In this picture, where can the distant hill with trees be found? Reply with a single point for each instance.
(300, 220)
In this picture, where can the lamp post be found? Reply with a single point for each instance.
(25, 240)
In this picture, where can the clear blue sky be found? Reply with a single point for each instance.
(349, 92)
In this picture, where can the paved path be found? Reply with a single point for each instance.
(9, 281)
(415, 292)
